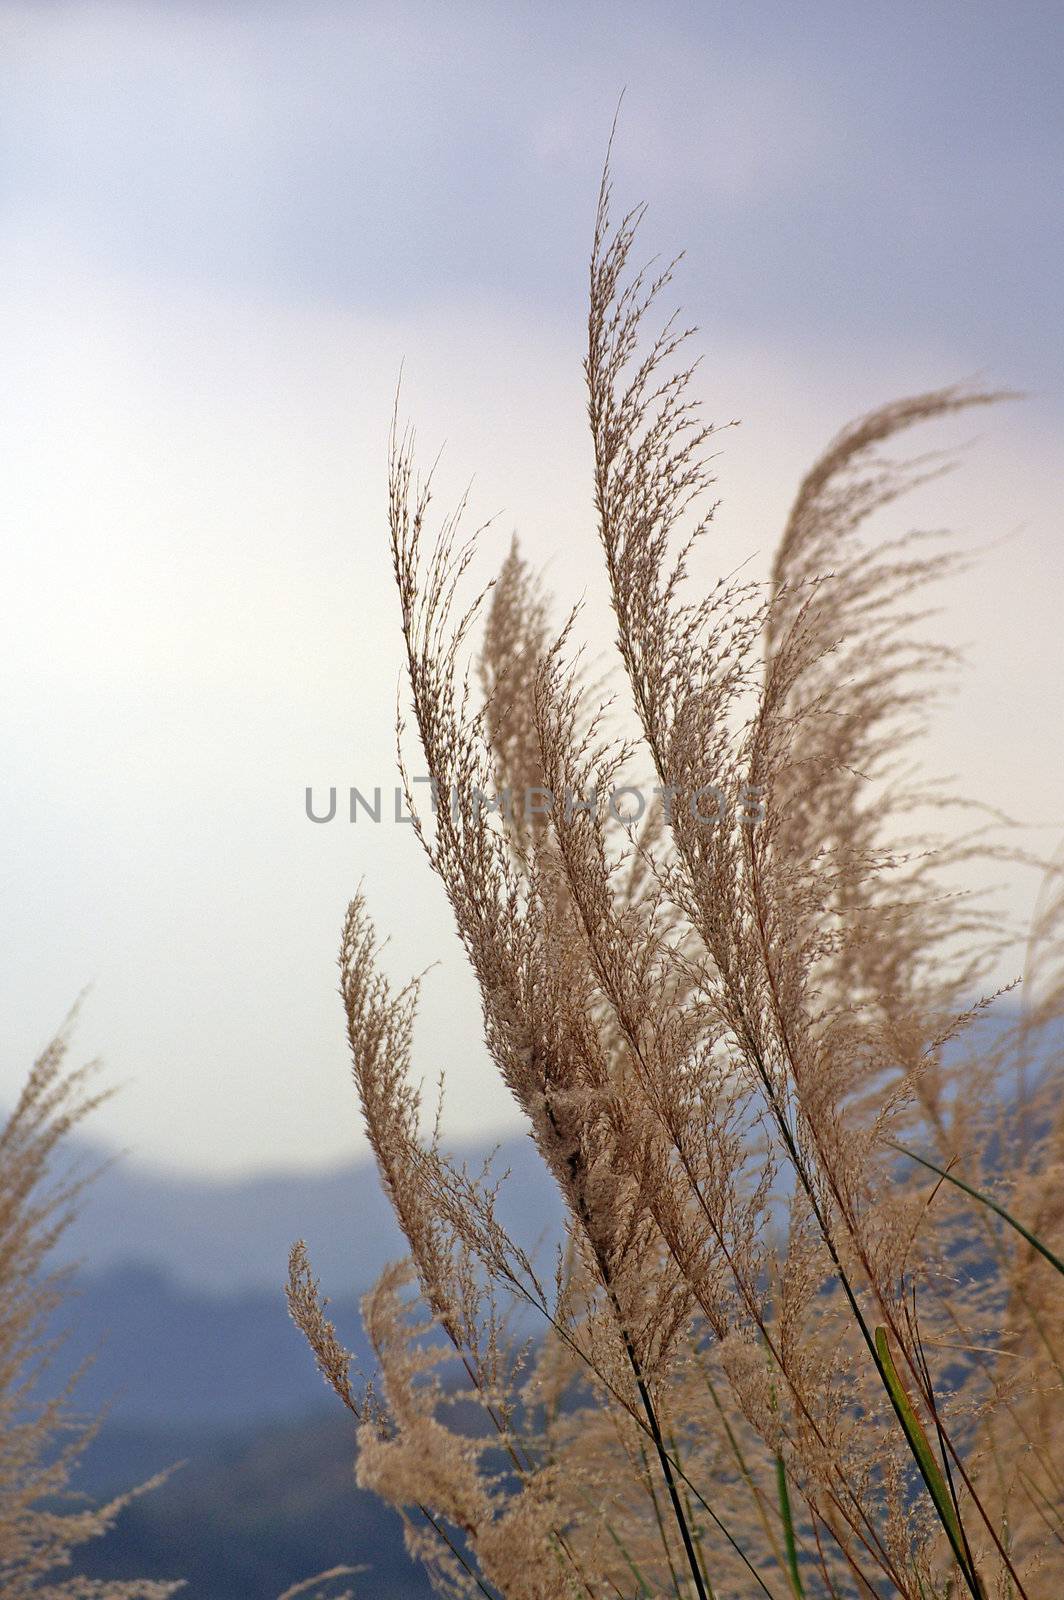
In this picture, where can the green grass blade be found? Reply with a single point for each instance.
(984, 1199)
(788, 1528)
(925, 1459)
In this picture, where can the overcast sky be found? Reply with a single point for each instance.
(222, 229)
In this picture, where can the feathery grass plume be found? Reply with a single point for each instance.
(776, 1355)
(41, 1438)
(517, 635)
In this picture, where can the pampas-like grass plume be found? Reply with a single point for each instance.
(41, 1436)
(798, 1339)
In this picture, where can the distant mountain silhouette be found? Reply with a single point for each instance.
(230, 1235)
(180, 1286)
(250, 1511)
(161, 1354)
(179, 1303)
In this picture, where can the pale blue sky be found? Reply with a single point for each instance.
(222, 227)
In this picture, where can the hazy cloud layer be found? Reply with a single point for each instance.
(221, 230)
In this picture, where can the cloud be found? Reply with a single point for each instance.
(836, 169)
(224, 230)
